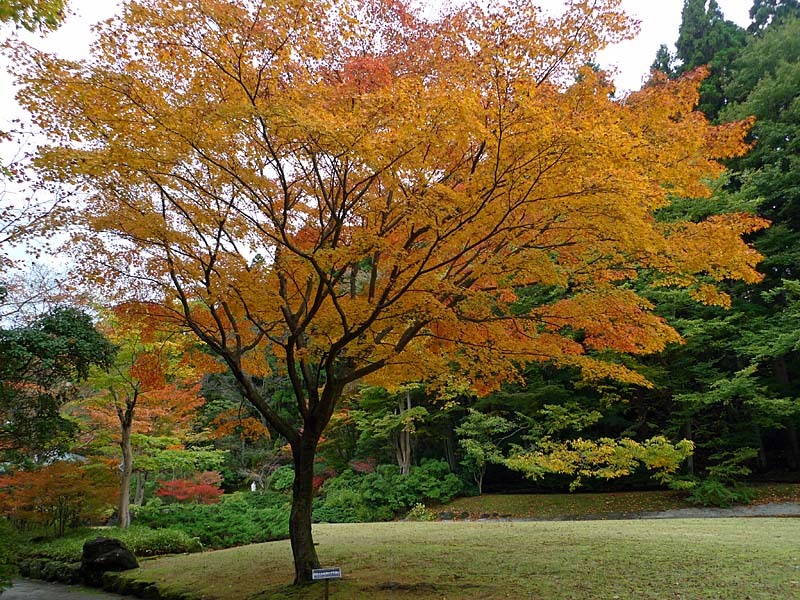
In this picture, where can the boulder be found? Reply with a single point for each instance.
(105, 554)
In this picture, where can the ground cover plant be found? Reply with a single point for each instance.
(646, 559)
(384, 493)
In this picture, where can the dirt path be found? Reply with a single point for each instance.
(773, 509)
(31, 589)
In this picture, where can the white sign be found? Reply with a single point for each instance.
(331, 573)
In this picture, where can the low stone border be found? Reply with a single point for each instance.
(117, 583)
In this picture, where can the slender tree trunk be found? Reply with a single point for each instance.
(403, 448)
(124, 506)
(782, 374)
(794, 446)
(305, 555)
(479, 480)
(762, 453)
(449, 451)
(141, 479)
(687, 432)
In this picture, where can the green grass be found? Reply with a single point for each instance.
(649, 559)
(582, 505)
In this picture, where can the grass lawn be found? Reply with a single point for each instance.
(679, 559)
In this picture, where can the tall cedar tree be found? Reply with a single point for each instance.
(706, 38)
(349, 192)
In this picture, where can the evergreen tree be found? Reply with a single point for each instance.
(707, 38)
(764, 13)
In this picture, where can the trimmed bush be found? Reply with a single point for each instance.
(385, 493)
(141, 540)
(282, 479)
(239, 518)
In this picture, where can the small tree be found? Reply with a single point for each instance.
(147, 388)
(59, 495)
(479, 436)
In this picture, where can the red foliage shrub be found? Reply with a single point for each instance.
(203, 488)
(364, 466)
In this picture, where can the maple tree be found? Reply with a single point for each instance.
(60, 494)
(147, 389)
(343, 192)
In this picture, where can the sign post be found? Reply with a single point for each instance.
(326, 575)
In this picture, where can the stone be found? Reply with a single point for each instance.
(105, 554)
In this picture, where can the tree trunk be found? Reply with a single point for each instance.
(479, 480)
(449, 451)
(794, 446)
(305, 555)
(687, 432)
(762, 453)
(141, 479)
(124, 506)
(403, 447)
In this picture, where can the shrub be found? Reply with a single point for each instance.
(8, 543)
(142, 541)
(420, 513)
(202, 488)
(239, 518)
(282, 479)
(385, 493)
(713, 492)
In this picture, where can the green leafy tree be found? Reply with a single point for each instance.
(40, 364)
(479, 437)
(664, 61)
(764, 13)
(33, 14)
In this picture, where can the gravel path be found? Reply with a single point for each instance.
(773, 509)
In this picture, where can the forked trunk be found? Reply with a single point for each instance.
(124, 506)
(303, 550)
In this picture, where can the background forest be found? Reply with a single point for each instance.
(116, 416)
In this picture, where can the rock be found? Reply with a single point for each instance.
(446, 516)
(105, 554)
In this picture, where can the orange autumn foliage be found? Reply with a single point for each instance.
(59, 495)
